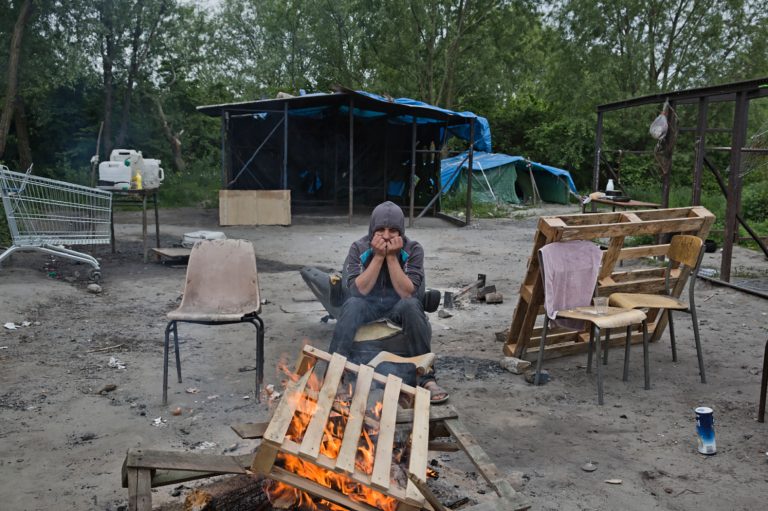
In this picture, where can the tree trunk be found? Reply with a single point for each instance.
(172, 138)
(107, 55)
(14, 58)
(132, 72)
(22, 134)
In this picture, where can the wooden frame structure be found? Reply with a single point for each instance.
(740, 93)
(523, 336)
(144, 469)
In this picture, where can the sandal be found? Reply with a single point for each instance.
(438, 394)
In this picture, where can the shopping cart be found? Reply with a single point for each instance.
(44, 215)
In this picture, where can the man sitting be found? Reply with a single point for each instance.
(384, 275)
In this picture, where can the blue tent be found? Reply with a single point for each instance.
(501, 177)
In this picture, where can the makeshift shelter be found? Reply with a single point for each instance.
(500, 177)
(347, 148)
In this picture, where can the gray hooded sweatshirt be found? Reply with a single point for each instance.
(386, 214)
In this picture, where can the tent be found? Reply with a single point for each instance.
(503, 178)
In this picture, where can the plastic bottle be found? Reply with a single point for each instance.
(136, 179)
(609, 187)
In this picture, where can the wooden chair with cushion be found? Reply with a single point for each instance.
(222, 288)
(576, 282)
(685, 253)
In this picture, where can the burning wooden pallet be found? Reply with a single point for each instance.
(316, 436)
(143, 469)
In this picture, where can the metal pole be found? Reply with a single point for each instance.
(413, 171)
(351, 154)
(470, 162)
(733, 205)
(285, 145)
(598, 150)
(701, 129)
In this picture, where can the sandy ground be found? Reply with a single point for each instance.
(63, 442)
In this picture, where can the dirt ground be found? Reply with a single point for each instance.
(63, 441)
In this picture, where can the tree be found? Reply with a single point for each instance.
(14, 58)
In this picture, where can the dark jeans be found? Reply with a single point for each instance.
(408, 313)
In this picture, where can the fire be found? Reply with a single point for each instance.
(282, 495)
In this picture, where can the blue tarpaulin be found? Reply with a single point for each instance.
(451, 167)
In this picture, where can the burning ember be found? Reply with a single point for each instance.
(284, 496)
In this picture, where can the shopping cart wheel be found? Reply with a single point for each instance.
(96, 276)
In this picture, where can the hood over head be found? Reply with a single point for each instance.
(387, 214)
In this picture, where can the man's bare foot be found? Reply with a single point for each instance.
(437, 393)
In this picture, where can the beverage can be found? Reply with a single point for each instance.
(705, 430)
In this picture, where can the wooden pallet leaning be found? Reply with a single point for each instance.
(523, 336)
(274, 440)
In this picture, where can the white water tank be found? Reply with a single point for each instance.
(114, 174)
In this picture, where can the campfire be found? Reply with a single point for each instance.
(334, 442)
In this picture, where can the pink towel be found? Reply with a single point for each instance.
(570, 274)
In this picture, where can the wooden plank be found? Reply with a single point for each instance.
(313, 435)
(172, 252)
(166, 477)
(345, 461)
(631, 229)
(417, 464)
(191, 461)
(484, 465)
(643, 251)
(278, 474)
(354, 368)
(254, 207)
(610, 257)
(564, 349)
(250, 430)
(420, 486)
(383, 457)
(139, 490)
(281, 420)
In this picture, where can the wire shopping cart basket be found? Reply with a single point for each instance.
(44, 215)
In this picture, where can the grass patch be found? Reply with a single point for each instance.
(456, 205)
(195, 187)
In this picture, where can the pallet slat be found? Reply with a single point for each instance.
(313, 436)
(382, 463)
(417, 465)
(345, 461)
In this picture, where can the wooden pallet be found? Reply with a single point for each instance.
(143, 469)
(274, 441)
(611, 228)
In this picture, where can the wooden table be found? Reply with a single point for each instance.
(131, 198)
(623, 204)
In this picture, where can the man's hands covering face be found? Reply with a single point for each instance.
(384, 247)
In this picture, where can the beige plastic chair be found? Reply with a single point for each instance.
(222, 287)
(613, 318)
(685, 252)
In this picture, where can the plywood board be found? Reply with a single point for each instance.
(254, 207)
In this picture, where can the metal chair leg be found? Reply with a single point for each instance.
(605, 348)
(763, 386)
(627, 343)
(176, 345)
(590, 349)
(259, 324)
(696, 337)
(599, 366)
(646, 357)
(540, 355)
(672, 335)
(166, 347)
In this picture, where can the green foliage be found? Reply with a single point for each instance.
(456, 205)
(754, 201)
(197, 186)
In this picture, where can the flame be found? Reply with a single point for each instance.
(283, 495)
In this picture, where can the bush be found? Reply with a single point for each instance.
(754, 201)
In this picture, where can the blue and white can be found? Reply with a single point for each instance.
(705, 428)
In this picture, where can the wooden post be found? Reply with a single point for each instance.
(413, 172)
(470, 163)
(351, 154)
(733, 206)
(224, 149)
(285, 146)
(698, 167)
(598, 150)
